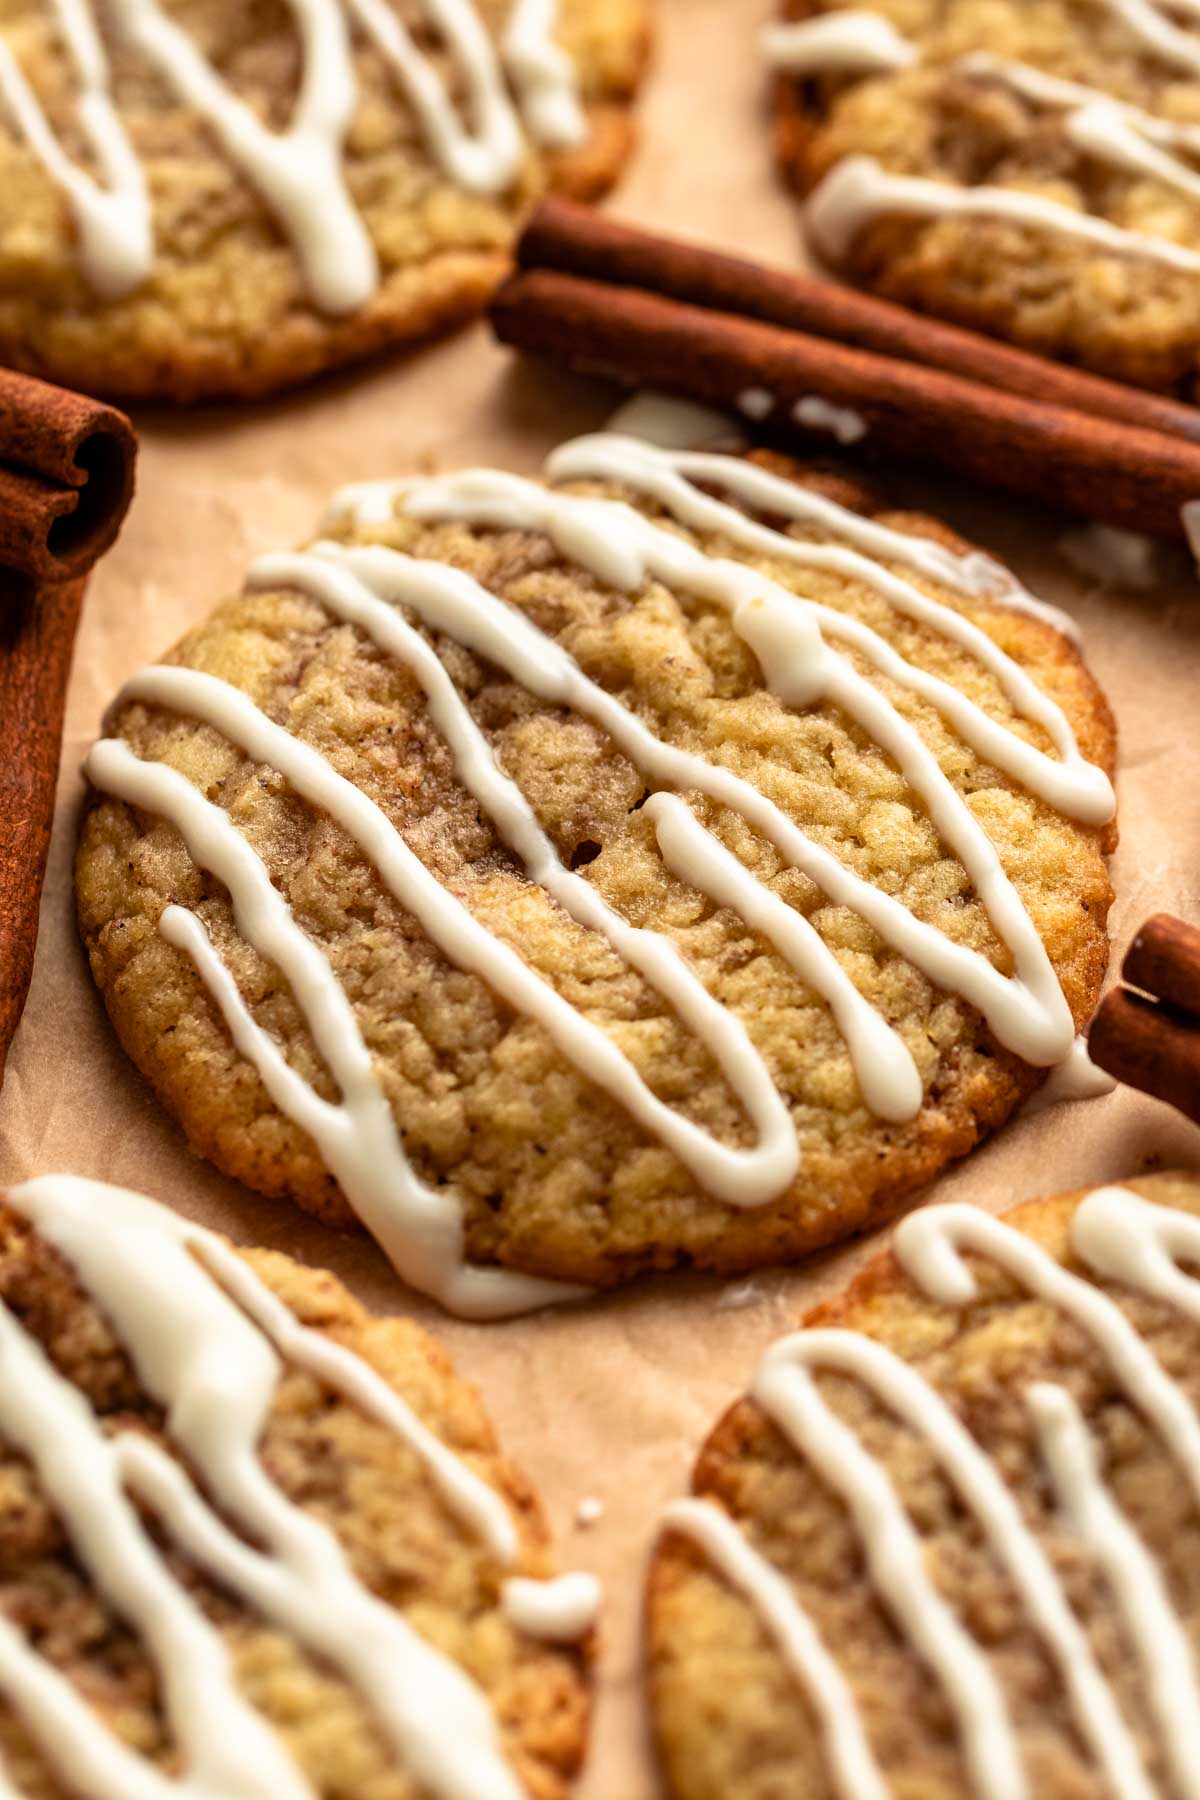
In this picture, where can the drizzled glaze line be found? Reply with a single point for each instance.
(624, 548)
(421, 1228)
(857, 190)
(785, 1388)
(300, 173)
(1121, 1238)
(1163, 1653)
(112, 216)
(173, 1294)
(674, 482)
(485, 624)
(855, 1772)
(418, 1227)
(885, 1070)
(741, 1178)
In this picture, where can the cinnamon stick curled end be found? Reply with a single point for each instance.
(66, 478)
(1151, 1040)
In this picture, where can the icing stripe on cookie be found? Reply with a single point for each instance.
(299, 172)
(1121, 1238)
(366, 586)
(208, 1340)
(857, 190)
(116, 235)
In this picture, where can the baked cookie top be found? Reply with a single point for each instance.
(671, 860)
(1032, 170)
(949, 1544)
(225, 196)
(254, 1542)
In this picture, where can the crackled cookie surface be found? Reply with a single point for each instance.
(254, 1540)
(1030, 170)
(221, 197)
(665, 861)
(947, 1546)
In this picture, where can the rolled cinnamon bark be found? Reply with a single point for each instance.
(66, 478)
(1150, 1047)
(1122, 474)
(37, 636)
(1164, 960)
(578, 240)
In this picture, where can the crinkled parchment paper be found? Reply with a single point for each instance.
(609, 1401)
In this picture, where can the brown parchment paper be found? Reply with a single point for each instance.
(609, 1401)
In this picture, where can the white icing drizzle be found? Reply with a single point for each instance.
(1163, 1653)
(1114, 558)
(476, 618)
(206, 1337)
(421, 1227)
(784, 1387)
(561, 1611)
(858, 190)
(929, 1246)
(740, 1177)
(850, 41)
(544, 75)
(1123, 1239)
(757, 403)
(1072, 96)
(855, 1772)
(418, 1227)
(116, 240)
(1152, 26)
(1077, 1077)
(1126, 1239)
(841, 422)
(662, 419)
(299, 173)
(973, 574)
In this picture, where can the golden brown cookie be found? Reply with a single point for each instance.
(609, 835)
(253, 1535)
(1028, 170)
(228, 196)
(948, 1545)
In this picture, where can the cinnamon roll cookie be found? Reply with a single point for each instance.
(255, 1543)
(669, 860)
(947, 1546)
(1030, 170)
(203, 197)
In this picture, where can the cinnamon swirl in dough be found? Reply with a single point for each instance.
(671, 860)
(202, 197)
(1030, 170)
(255, 1543)
(947, 1546)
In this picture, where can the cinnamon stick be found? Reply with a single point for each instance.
(1126, 475)
(37, 636)
(1149, 1047)
(1151, 1039)
(1164, 960)
(576, 240)
(66, 478)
